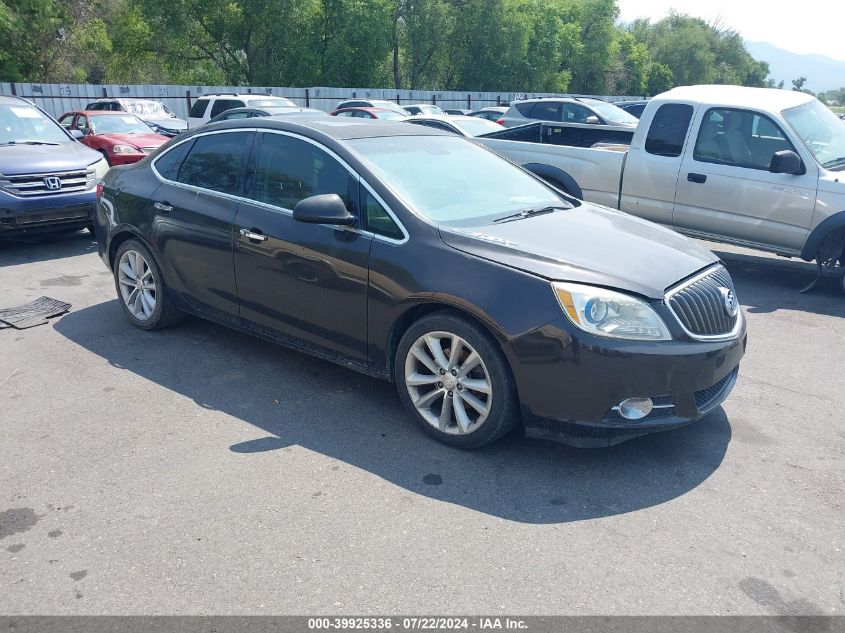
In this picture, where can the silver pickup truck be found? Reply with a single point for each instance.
(756, 167)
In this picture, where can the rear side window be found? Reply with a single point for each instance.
(669, 129)
(198, 109)
(216, 162)
(546, 111)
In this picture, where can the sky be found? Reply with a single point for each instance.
(809, 26)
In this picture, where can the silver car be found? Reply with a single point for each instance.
(568, 110)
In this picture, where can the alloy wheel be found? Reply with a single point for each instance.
(448, 383)
(137, 285)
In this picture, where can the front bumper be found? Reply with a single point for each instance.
(569, 382)
(46, 214)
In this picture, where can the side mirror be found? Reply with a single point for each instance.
(77, 134)
(786, 162)
(326, 208)
(592, 120)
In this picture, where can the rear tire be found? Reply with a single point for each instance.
(141, 290)
(454, 380)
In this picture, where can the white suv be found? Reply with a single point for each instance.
(209, 106)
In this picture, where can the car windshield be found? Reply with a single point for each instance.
(476, 126)
(271, 102)
(821, 131)
(389, 105)
(613, 113)
(27, 124)
(148, 109)
(450, 180)
(119, 124)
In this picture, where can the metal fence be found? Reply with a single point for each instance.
(59, 98)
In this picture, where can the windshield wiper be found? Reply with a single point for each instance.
(28, 142)
(836, 162)
(527, 213)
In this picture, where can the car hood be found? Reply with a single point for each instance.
(169, 123)
(138, 140)
(588, 244)
(16, 160)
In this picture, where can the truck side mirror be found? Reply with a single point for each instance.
(786, 162)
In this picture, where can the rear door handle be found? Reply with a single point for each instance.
(163, 206)
(251, 235)
(699, 178)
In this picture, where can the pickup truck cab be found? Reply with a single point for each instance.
(755, 167)
(48, 180)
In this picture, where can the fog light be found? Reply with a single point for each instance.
(635, 408)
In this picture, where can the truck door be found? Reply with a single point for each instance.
(725, 188)
(651, 170)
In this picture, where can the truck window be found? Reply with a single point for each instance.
(741, 138)
(198, 109)
(669, 129)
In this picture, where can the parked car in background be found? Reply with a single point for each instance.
(567, 110)
(48, 180)
(457, 111)
(464, 125)
(249, 113)
(121, 138)
(369, 113)
(154, 113)
(406, 253)
(756, 167)
(209, 106)
(491, 113)
(382, 104)
(634, 108)
(424, 108)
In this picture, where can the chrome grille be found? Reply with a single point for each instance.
(27, 185)
(699, 305)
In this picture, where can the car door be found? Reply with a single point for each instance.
(306, 283)
(725, 188)
(195, 208)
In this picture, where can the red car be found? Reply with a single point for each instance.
(369, 113)
(121, 137)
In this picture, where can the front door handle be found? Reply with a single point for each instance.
(163, 207)
(699, 178)
(251, 235)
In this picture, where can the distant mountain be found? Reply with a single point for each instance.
(822, 73)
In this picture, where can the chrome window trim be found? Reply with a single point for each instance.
(284, 210)
(673, 290)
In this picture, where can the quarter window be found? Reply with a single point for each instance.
(740, 138)
(198, 109)
(377, 219)
(669, 129)
(216, 162)
(289, 170)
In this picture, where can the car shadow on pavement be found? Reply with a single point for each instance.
(293, 399)
(40, 248)
(766, 285)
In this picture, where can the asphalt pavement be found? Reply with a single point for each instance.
(199, 470)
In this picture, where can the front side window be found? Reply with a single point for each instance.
(119, 124)
(26, 124)
(67, 121)
(451, 180)
(289, 170)
(82, 124)
(574, 113)
(216, 162)
(669, 129)
(166, 163)
(741, 138)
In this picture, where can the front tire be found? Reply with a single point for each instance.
(454, 380)
(141, 290)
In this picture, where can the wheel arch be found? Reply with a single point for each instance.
(415, 312)
(125, 234)
(831, 224)
(549, 172)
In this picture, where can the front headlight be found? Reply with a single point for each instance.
(608, 313)
(96, 172)
(125, 149)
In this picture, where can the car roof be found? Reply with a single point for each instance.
(100, 113)
(364, 108)
(339, 129)
(765, 98)
(15, 99)
(447, 118)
